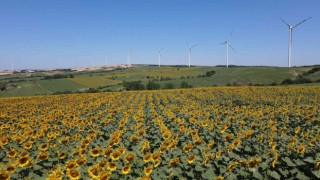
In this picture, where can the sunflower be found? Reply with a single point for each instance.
(174, 162)
(231, 166)
(115, 155)
(54, 176)
(81, 161)
(198, 140)
(148, 170)
(95, 152)
(62, 155)
(4, 176)
(220, 178)
(12, 153)
(10, 168)
(73, 174)
(71, 164)
(156, 156)
(129, 158)
(147, 157)
(122, 150)
(104, 176)
(24, 153)
(229, 136)
(43, 147)
(94, 172)
(301, 149)
(111, 166)
(317, 165)
(237, 142)
(23, 161)
(27, 145)
(210, 144)
(107, 152)
(43, 155)
(188, 147)
(297, 129)
(191, 158)
(218, 154)
(134, 138)
(254, 162)
(126, 169)
(144, 178)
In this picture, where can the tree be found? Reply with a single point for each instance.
(133, 85)
(169, 86)
(185, 85)
(153, 85)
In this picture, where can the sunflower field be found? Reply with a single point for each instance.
(202, 133)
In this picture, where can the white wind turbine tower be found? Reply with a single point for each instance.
(190, 49)
(106, 60)
(227, 43)
(159, 55)
(290, 37)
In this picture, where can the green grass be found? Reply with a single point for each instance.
(61, 85)
(111, 79)
(40, 87)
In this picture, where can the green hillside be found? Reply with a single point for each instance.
(112, 80)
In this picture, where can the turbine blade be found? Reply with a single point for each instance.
(301, 22)
(222, 43)
(230, 35)
(232, 47)
(285, 22)
(193, 46)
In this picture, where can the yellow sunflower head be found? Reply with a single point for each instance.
(147, 157)
(122, 150)
(148, 170)
(104, 176)
(95, 152)
(94, 172)
(174, 162)
(4, 176)
(301, 149)
(10, 168)
(73, 174)
(111, 166)
(115, 155)
(129, 158)
(43, 147)
(191, 158)
(62, 155)
(23, 161)
(126, 169)
(71, 164)
(11, 153)
(107, 152)
(43, 155)
(81, 161)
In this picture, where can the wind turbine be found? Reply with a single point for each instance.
(190, 49)
(227, 43)
(159, 55)
(290, 37)
(106, 60)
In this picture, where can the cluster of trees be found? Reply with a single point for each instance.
(299, 80)
(151, 85)
(59, 76)
(313, 70)
(2, 87)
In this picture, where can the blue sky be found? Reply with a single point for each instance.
(73, 33)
